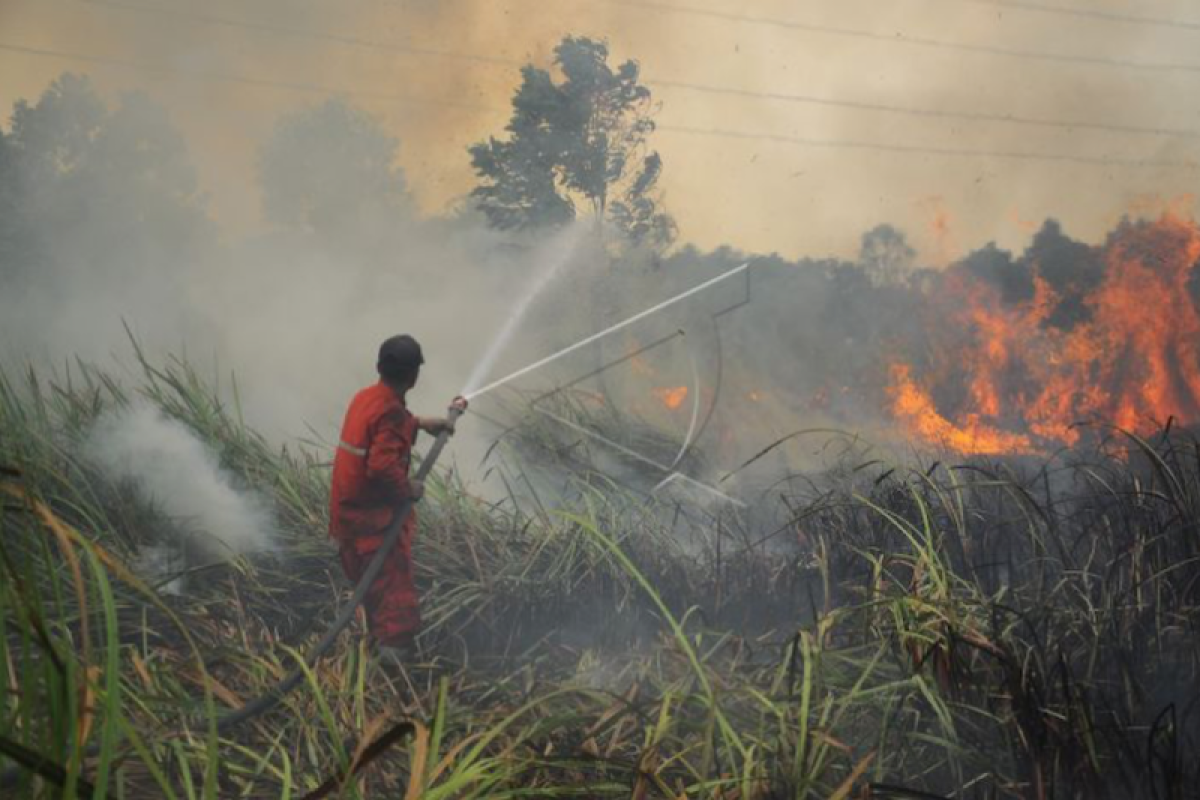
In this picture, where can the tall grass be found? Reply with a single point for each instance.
(983, 630)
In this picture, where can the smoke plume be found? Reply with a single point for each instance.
(456, 62)
(109, 227)
(173, 471)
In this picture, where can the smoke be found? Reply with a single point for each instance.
(763, 195)
(111, 228)
(110, 232)
(173, 470)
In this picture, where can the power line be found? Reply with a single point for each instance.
(671, 8)
(1015, 155)
(141, 66)
(711, 132)
(1089, 13)
(969, 116)
(300, 33)
(901, 38)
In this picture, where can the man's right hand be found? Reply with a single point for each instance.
(417, 487)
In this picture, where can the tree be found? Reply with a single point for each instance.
(1071, 268)
(53, 139)
(579, 141)
(92, 189)
(332, 168)
(9, 206)
(989, 263)
(885, 255)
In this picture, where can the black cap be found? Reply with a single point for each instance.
(399, 356)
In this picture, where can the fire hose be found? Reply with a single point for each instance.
(272, 697)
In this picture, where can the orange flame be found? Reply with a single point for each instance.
(915, 408)
(1129, 355)
(672, 397)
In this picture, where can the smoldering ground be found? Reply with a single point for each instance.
(174, 472)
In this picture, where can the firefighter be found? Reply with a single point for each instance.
(370, 479)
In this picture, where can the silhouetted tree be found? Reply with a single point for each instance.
(86, 186)
(581, 140)
(997, 267)
(885, 254)
(332, 168)
(9, 206)
(1071, 268)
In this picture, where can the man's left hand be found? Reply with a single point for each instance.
(436, 426)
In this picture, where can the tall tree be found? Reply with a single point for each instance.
(9, 206)
(579, 141)
(332, 168)
(886, 255)
(87, 187)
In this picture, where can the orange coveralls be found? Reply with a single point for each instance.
(370, 479)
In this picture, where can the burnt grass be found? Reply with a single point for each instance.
(982, 629)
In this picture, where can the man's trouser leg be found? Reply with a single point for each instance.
(391, 603)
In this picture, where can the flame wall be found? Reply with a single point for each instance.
(1021, 351)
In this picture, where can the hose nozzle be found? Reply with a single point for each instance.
(458, 407)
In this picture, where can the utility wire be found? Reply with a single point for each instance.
(933, 113)
(660, 7)
(1089, 13)
(928, 113)
(902, 38)
(301, 33)
(1016, 155)
(693, 131)
(221, 77)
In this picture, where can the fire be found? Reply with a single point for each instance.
(915, 408)
(672, 397)
(1114, 336)
(640, 367)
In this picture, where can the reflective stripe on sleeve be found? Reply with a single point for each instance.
(352, 450)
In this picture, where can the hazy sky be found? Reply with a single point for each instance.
(459, 59)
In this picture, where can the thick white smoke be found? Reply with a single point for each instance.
(174, 470)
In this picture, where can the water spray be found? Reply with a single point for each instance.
(564, 248)
(270, 699)
(265, 702)
(471, 394)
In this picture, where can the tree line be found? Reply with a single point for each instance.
(577, 144)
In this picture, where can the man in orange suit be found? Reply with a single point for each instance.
(370, 481)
